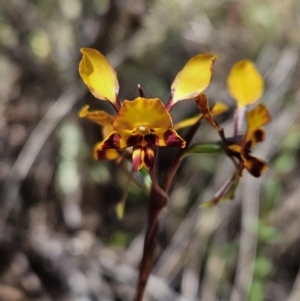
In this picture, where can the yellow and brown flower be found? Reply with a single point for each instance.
(256, 119)
(143, 123)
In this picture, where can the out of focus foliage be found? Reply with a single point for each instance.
(60, 237)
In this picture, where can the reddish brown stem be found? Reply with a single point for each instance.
(155, 207)
(176, 162)
(157, 202)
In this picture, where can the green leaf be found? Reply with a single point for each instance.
(213, 148)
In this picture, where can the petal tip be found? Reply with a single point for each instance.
(257, 167)
(106, 154)
(84, 111)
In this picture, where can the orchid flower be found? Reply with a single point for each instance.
(143, 123)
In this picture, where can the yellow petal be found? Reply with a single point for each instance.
(217, 109)
(187, 122)
(107, 130)
(256, 118)
(99, 76)
(99, 117)
(245, 83)
(142, 112)
(192, 79)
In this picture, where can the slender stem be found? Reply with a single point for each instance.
(117, 104)
(239, 116)
(176, 162)
(157, 202)
(169, 105)
(225, 143)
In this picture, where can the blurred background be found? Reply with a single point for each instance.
(60, 238)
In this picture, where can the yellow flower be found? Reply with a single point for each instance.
(256, 118)
(143, 123)
(245, 83)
